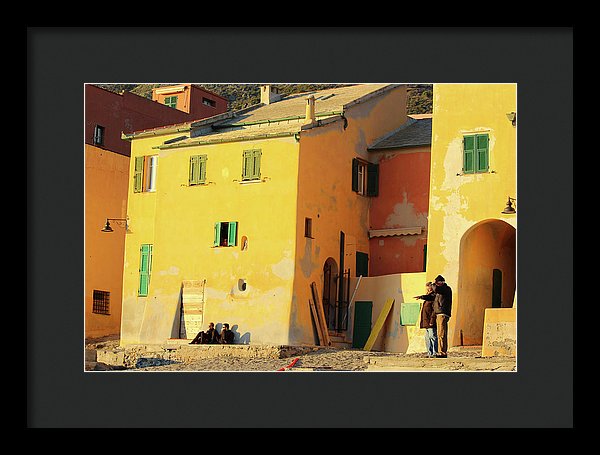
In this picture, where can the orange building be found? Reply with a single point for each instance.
(398, 215)
(190, 98)
(107, 116)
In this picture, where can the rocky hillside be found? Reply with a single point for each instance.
(241, 95)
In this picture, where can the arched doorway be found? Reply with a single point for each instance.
(486, 278)
(330, 279)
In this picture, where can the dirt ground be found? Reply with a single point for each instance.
(318, 359)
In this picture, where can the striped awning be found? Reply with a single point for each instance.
(394, 232)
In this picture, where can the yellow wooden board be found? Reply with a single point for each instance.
(379, 324)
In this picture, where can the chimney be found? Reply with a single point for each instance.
(310, 110)
(269, 94)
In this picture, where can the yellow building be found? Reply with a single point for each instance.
(235, 222)
(472, 240)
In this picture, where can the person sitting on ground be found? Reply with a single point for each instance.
(226, 335)
(211, 336)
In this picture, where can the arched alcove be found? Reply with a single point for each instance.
(486, 277)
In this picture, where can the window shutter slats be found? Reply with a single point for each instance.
(145, 267)
(202, 169)
(372, 179)
(354, 174)
(482, 152)
(138, 174)
(193, 170)
(232, 234)
(217, 234)
(468, 154)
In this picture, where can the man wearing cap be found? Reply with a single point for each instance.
(442, 307)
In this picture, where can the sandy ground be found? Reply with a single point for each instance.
(321, 359)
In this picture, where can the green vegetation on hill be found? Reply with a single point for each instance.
(420, 96)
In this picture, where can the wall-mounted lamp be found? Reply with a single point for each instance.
(512, 118)
(509, 210)
(120, 221)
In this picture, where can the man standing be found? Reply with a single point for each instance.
(442, 307)
(428, 320)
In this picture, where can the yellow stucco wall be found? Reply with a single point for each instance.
(459, 202)
(106, 176)
(307, 178)
(325, 195)
(178, 220)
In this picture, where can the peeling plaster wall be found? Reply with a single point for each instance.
(459, 201)
(325, 195)
(403, 201)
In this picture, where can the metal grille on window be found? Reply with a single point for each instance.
(101, 302)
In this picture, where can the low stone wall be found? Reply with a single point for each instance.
(136, 356)
(500, 332)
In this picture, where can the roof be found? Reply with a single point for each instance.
(414, 132)
(283, 117)
(294, 105)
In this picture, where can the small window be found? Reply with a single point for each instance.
(308, 227)
(476, 153)
(209, 102)
(225, 233)
(251, 165)
(101, 303)
(365, 178)
(98, 135)
(197, 169)
(144, 173)
(171, 101)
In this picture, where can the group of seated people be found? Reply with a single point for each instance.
(211, 336)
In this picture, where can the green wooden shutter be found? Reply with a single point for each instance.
(202, 168)
(232, 234)
(362, 264)
(256, 154)
(197, 169)
(194, 174)
(482, 158)
(247, 165)
(372, 179)
(138, 174)
(217, 240)
(354, 174)
(468, 154)
(145, 268)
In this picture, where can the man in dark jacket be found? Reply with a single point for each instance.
(428, 320)
(211, 336)
(226, 335)
(442, 307)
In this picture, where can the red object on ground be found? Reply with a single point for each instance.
(293, 362)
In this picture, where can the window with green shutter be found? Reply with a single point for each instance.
(365, 177)
(138, 174)
(251, 165)
(144, 173)
(145, 268)
(171, 101)
(476, 153)
(197, 169)
(225, 233)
